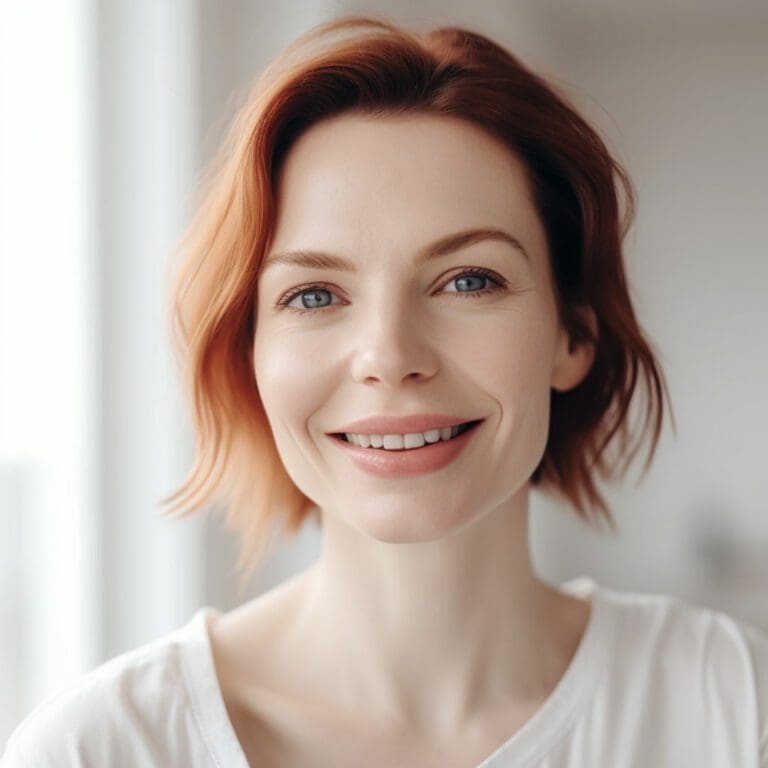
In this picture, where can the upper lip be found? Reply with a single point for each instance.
(402, 425)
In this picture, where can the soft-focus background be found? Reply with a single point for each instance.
(108, 112)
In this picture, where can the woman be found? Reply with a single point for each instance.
(402, 305)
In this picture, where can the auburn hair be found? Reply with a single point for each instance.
(371, 66)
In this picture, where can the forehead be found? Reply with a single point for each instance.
(398, 178)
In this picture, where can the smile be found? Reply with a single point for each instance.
(393, 458)
(407, 442)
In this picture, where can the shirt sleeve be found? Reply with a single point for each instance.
(86, 727)
(12, 757)
(757, 641)
(40, 742)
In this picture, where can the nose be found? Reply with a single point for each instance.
(392, 346)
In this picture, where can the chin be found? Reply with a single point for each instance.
(405, 527)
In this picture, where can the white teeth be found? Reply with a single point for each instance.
(415, 440)
(398, 442)
(394, 442)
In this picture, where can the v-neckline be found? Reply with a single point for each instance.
(558, 711)
(571, 696)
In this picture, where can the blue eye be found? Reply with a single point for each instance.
(468, 277)
(314, 293)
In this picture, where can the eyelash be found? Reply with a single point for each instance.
(500, 284)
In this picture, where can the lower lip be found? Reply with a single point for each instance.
(414, 461)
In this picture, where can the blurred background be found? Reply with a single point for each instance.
(110, 110)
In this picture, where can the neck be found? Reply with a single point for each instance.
(431, 633)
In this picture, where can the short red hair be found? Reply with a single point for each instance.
(370, 66)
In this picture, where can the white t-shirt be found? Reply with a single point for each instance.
(655, 681)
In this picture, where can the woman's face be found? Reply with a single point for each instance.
(397, 334)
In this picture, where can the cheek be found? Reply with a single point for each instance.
(283, 367)
(512, 365)
(289, 375)
(511, 354)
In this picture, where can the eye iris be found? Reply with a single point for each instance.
(464, 278)
(313, 294)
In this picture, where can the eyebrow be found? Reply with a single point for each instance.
(442, 247)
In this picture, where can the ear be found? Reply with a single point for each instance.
(573, 361)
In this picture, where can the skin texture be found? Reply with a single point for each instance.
(422, 623)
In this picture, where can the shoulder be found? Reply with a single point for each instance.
(688, 631)
(756, 641)
(135, 705)
(697, 653)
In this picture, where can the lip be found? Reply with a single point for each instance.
(415, 461)
(402, 425)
